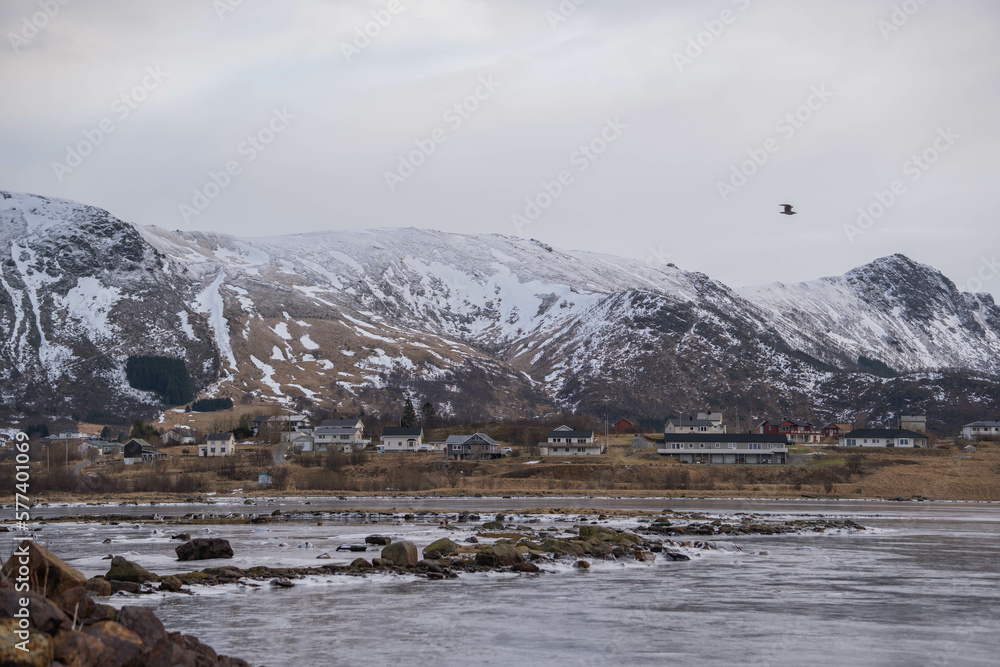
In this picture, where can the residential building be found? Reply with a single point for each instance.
(138, 450)
(344, 434)
(177, 436)
(883, 437)
(624, 426)
(564, 441)
(282, 423)
(725, 448)
(706, 422)
(981, 429)
(400, 439)
(472, 447)
(802, 433)
(834, 430)
(218, 444)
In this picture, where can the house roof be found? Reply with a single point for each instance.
(985, 423)
(341, 423)
(220, 436)
(883, 433)
(333, 430)
(570, 434)
(142, 443)
(261, 419)
(684, 421)
(399, 431)
(722, 437)
(462, 439)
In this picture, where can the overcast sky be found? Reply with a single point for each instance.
(835, 98)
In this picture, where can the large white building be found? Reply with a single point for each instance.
(883, 437)
(724, 448)
(344, 434)
(981, 429)
(564, 441)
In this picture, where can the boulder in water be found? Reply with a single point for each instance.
(204, 548)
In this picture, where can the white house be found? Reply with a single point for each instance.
(707, 422)
(883, 437)
(564, 441)
(344, 434)
(399, 439)
(218, 444)
(724, 448)
(982, 429)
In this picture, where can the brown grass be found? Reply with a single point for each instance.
(935, 474)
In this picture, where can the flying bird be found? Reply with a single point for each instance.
(788, 210)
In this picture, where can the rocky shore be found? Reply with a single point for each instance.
(506, 547)
(64, 625)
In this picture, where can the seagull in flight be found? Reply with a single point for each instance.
(788, 210)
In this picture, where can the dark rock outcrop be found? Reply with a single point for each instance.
(204, 548)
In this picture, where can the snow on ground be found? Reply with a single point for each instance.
(210, 301)
(282, 330)
(90, 303)
(186, 325)
(268, 378)
(308, 343)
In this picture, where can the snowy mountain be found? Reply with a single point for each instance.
(484, 326)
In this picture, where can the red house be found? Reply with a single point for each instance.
(802, 433)
(624, 426)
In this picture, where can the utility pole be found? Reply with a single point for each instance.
(606, 446)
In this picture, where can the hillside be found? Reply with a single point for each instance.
(484, 326)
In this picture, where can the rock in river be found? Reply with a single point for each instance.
(401, 553)
(204, 548)
(125, 570)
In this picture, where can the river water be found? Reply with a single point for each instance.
(921, 588)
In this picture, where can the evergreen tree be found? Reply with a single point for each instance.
(429, 414)
(409, 419)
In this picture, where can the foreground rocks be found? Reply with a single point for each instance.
(67, 627)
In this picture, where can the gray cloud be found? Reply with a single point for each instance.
(653, 192)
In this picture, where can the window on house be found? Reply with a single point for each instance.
(732, 445)
(717, 445)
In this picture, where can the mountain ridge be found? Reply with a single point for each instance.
(484, 325)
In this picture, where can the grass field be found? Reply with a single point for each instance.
(932, 473)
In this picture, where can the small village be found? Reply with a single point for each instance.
(283, 451)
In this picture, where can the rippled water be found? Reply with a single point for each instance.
(922, 589)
